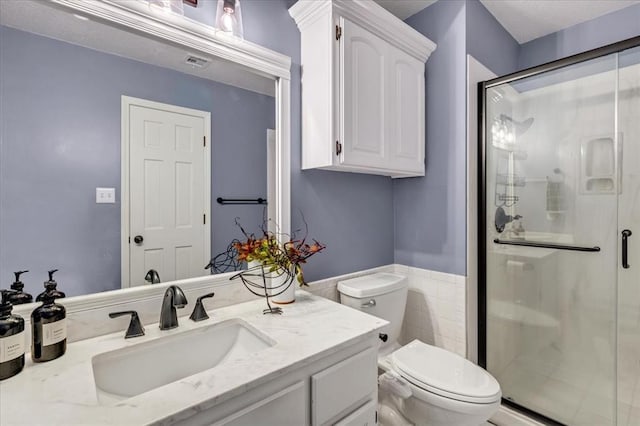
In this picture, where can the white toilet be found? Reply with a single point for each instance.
(446, 389)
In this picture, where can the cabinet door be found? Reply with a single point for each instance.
(406, 115)
(343, 385)
(362, 91)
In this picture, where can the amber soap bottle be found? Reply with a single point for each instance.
(12, 339)
(48, 329)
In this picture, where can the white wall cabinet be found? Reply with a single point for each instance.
(362, 88)
(339, 389)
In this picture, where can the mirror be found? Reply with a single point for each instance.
(115, 148)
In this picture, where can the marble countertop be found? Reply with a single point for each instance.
(62, 392)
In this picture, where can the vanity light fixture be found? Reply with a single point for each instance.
(229, 18)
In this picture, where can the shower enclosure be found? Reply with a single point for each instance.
(559, 237)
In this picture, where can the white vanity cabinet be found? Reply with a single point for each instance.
(343, 386)
(339, 389)
(286, 407)
(363, 90)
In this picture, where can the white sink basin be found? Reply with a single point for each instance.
(136, 369)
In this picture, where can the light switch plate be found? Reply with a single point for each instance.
(105, 195)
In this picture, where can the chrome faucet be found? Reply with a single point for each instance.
(173, 298)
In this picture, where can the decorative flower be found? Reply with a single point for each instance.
(268, 250)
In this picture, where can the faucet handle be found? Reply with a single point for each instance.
(135, 326)
(199, 313)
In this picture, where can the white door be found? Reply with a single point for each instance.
(405, 111)
(169, 188)
(362, 83)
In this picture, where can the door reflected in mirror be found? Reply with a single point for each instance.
(114, 150)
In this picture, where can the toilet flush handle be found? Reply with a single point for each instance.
(370, 304)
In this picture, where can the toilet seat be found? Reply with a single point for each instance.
(444, 373)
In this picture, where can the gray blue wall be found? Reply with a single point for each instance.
(430, 211)
(351, 213)
(611, 28)
(60, 135)
(488, 41)
(365, 221)
(427, 224)
(430, 221)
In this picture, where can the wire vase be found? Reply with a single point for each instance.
(266, 281)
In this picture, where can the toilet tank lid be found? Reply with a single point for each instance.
(372, 285)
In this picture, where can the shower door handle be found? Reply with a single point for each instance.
(625, 242)
(526, 243)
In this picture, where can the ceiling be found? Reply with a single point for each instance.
(43, 18)
(404, 8)
(525, 20)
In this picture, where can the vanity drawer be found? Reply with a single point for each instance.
(363, 416)
(286, 407)
(343, 385)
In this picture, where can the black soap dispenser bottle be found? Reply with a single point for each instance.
(12, 339)
(50, 286)
(48, 329)
(18, 296)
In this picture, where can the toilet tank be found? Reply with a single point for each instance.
(383, 295)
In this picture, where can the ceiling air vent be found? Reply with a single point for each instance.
(197, 61)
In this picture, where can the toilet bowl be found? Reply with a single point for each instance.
(446, 389)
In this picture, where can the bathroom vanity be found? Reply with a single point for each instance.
(315, 364)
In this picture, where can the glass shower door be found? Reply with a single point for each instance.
(552, 241)
(629, 229)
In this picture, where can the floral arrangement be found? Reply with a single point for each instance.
(275, 255)
(273, 262)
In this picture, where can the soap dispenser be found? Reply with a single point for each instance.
(18, 296)
(48, 329)
(50, 286)
(11, 339)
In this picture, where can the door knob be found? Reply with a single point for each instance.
(138, 239)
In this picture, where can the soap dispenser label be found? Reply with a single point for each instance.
(11, 347)
(54, 332)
